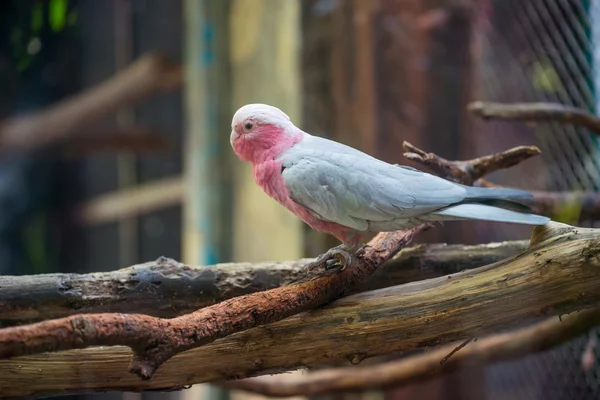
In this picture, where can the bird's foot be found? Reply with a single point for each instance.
(335, 259)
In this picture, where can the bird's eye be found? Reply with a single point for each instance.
(248, 126)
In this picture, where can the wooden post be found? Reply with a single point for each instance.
(126, 163)
(205, 208)
(264, 55)
(206, 142)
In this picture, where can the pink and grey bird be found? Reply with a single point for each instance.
(344, 192)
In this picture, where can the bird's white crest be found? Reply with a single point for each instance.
(261, 113)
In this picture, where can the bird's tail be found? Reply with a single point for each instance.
(489, 213)
(482, 193)
(494, 204)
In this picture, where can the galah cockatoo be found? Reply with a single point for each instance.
(342, 191)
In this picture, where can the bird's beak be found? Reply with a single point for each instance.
(233, 137)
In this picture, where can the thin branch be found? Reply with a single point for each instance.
(467, 172)
(149, 288)
(535, 112)
(149, 75)
(557, 275)
(500, 347)
(155, 340)
(455, 350)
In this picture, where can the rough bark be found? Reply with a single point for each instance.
(149, 75)
(536, 112)
(495, 348)
(156, 340)
(557, 274)
(172, 289)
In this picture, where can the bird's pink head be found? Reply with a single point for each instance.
(260, 132)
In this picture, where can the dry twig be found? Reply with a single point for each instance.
(467, 172)
(496, 348)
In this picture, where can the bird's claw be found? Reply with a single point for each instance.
(336, 258)
(340, 260)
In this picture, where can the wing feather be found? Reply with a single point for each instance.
(353, 189)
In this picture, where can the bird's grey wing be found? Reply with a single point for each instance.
(353, 190)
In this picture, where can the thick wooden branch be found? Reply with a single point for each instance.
(169, 289)
(558, 274)
(149, 75)
(493, 349)
(467, 172)
(155, 340)
(537, 112)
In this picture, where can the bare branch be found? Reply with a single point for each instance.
(558, 274)
(149, 75)
(536, 112)
(155, 340)
(501, 347)
(467, 172)
(172, 289)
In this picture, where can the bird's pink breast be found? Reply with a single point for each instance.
(268, 176)
(262, 149)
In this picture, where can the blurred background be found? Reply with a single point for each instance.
(115, 119)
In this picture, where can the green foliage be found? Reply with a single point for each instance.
(57, 15)
(46, 17)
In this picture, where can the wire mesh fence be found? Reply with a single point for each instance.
(543, 51)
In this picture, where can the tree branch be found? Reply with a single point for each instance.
(169, 289)
(467, 172)
(558, 274)
(533, 112)
(496, 348)
(155, 340)
(147, 76)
